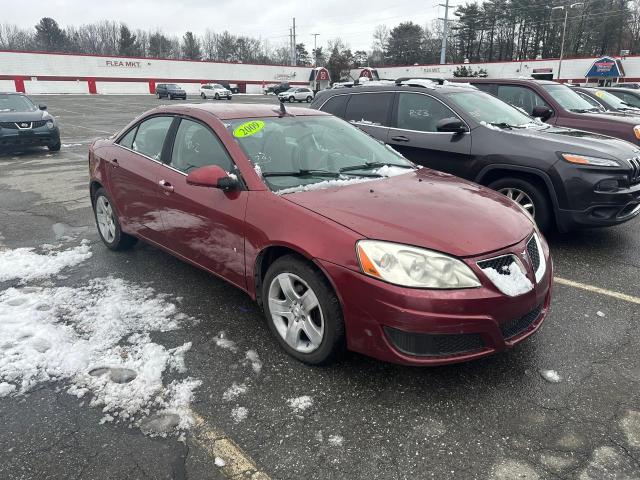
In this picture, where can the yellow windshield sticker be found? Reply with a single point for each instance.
(249, 128)
(599, 93)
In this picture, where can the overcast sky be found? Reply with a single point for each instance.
(352, 20)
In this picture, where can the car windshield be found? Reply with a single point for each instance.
(173, 86)
(217, 85)
(296, 152)
(569, 99)
(611, 100)
(490, 110)
(16, 103)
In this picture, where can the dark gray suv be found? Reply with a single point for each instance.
(568, 177)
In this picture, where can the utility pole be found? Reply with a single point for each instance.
(564, 31)
(291, 46)
(443, 51)
(315, 49)
(295, 62)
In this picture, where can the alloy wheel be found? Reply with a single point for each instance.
(521, 198)
(296, 313)
(106, 220)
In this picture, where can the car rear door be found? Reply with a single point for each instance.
(205, 225)
(132, 177)
(413, 133)
(371, 112)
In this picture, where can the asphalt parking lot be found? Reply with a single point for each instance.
(497, 418)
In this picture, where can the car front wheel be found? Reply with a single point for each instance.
(303, 311)
(529, 196)
(204, 97)
(55, 147)
(292, 99)
(158, 96)
(217, 97)
(108, 225)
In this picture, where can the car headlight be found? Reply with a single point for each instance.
(413, 267)
(586, 160)
(50, 124)
(636, 131)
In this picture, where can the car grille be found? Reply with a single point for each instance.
(9, 125)
(515, 327)
(634, 176)
(499, 264)
(430, 345)
(532, 251)
(14, 125)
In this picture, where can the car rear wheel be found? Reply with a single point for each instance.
(169, 96)
(108, 225)
(158, 96)
(204, 97)
(303, 311)
(529, 196)
(292, 99)
(309, 99)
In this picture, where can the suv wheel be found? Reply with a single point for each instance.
(303, 311)
(292, 99)
(204, 97)
(217, 97)
(108, 225)
(309, 99)
(529, 196)
(158, 96)
(169, 96)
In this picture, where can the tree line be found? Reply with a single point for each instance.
(494, 30)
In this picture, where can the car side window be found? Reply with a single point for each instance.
(521, 97)
(369, 108)
(631, 100)
(335, 105)
(151, 135)
(127, 140)
(485, 87)
(589, 99)
(197, 146)
(421, 112)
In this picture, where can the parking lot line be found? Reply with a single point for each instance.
(237, 464)
(594, 289)
(86, 128)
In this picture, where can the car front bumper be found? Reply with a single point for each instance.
(11, 139)
(390, 323)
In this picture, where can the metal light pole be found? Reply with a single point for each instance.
(443, 51)
(564, 31)
(315, 49)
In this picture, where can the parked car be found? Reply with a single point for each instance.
(232, 87)
(170, 91)
(557, 104)
(317, 222)
(297, 94)
(560, 176)
(23, 124)
(629, 96)
(215, 90)
(606, 101)
(631, 85)
(276, 89)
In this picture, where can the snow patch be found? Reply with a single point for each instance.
(239, 414)
(392, 170)
(512, 281)
(219, 462)
(234, 391)
(252, 357)
(600, 314)
(6, 389)
(551, 376)
(25, 264)
(300, 404)
(222, 341)
(326, 184)
(335, 440)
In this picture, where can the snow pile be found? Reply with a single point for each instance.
(239, 414)
(326, 184)
(25, 264)
(490, 127)
(97, 337)
(392, 171)
(511, 282)
(234, 391)
(550, 376)
(300, 404)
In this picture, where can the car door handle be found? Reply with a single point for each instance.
(114, 163)
(166, 185)
(400, 138)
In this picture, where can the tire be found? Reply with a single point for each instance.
(292, 99)
(55, 147)
(217, 97)
(325, 316)
(158, 96)
(511, 187)
(115, 239)
(309, 98)
(204, 97)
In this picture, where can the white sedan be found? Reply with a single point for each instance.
(300, 94)
(214, 90)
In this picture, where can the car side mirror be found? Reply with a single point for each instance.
(212, 176)
(542, 112)
(451, 125)
(42, 106)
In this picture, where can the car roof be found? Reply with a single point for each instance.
(395, 88)
(238, 110)
(504, 80)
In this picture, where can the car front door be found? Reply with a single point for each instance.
(134, 168)
(414, 134)
(370, 112)
(205, 225)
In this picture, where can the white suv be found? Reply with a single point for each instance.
(299, 94)
(214, 90)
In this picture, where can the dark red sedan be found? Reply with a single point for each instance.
(343, 242)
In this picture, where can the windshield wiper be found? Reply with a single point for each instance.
(505, 125)
(303, 173)
(585, 110)
(370, 165)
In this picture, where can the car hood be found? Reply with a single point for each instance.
(569, 140)
(618, 117)
(424, 208)
(23, 116)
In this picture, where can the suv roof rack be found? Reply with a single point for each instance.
(436, 80)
